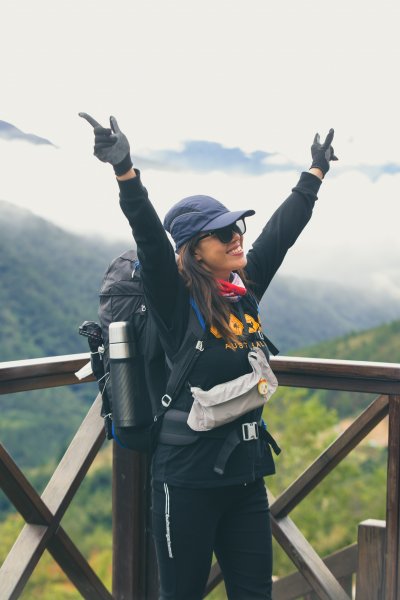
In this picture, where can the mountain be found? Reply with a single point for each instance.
(380, 344)
(10, 132)
(50, 281)
(300, 312)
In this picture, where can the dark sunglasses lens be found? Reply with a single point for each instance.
(225, 234)
(240, 226)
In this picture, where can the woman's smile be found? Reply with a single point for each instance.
(237, 250)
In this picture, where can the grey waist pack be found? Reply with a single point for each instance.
(226, 401)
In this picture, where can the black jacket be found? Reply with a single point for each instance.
(168, 299)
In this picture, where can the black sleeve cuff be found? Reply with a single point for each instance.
(130, 186)
(124, 166)
(308, 184)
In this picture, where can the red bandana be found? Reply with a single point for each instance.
(232, 291)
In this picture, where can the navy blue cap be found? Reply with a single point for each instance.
(194, 214)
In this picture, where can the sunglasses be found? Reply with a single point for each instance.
(225, 234)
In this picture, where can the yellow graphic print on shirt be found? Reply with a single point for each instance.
(254, 325)
(237, 326)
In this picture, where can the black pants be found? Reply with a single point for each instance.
(232, 521)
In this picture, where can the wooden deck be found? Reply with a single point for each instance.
(374, 557)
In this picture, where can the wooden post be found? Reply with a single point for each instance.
(134, 568)
(392, 579)
(371, 560)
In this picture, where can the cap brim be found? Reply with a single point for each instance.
(228, 219)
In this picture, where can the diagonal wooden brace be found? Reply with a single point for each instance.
(43, 521)
(303, 555)
(327, 461)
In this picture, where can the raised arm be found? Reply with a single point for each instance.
(289, 220)
(160, 275)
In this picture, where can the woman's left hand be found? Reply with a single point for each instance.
(322, 154)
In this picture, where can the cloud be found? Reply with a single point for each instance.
(204, 157)
(373, 172)
(10, 132)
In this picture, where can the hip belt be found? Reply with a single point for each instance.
(175, 431)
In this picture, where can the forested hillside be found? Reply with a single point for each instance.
(50, 281)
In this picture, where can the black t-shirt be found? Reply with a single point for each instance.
(168, 299)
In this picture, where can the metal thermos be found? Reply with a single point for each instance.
(124, 376)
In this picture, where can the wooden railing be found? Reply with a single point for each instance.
(375, 559)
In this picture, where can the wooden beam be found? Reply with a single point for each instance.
(76, 461)
(345, 582)
(22, 559)
(381, 378)
(47, 512)
(392, 577)
(76, 567)
(328, 460)
(41, 373)
(214, 579)
(346, 375)
(20, 492)
(352, 369)
(134, 569)
(310, 565)
(32, 508)
(341, 564)
(371, 560)
(370, 386)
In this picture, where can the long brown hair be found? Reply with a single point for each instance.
(204, 288)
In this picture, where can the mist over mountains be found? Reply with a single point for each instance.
(50, 282)
(10, 132)
(300, 312)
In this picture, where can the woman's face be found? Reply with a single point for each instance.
(221, 258)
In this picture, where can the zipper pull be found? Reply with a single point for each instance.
(199, 346)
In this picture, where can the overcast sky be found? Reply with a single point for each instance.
(216, 97)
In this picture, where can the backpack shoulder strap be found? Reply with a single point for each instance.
(191, 347)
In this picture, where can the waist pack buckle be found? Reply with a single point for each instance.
(250, 431)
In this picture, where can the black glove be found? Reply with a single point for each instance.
(110, 145)
(322, 153)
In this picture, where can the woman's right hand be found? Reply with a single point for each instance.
(110, 145)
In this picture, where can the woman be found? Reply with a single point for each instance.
(209, 494)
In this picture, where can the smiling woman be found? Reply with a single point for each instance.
(207, 477)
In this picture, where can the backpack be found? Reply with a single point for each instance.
(158, 379)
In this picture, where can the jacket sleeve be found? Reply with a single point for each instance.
(280, 233)
(163, 286)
